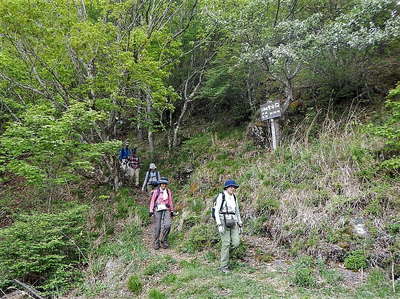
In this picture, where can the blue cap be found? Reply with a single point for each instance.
(230, 183)
(163, 180)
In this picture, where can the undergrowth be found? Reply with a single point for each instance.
(323, 194)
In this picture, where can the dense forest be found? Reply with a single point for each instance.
(182, 81)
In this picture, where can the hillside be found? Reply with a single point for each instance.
(91, 91)
(320, 218)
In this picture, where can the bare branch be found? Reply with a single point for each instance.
(34, 293)
(21, 85)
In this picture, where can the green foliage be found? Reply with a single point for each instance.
(390, 130)
(255, 226)
(379, 285)
(267, 206)
(393, 227)
(158, 266)
(304, 277)
(156, 294)
(303, 272)
(45, 248)
(200, 237)
(356, 260)
(199, 144)
(241, 251)
(135, 284)
(169, 279)
(52, 143)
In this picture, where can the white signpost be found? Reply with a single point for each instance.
(271, 110)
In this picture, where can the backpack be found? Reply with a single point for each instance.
(213, 209)
(153, 177)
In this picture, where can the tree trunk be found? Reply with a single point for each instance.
(170, 131)
(138, 126)
(178, 123)
(150, 138)
(289, 95)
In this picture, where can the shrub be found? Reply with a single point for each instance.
(135, 285)
(390, 130)
(356, 260)
(39, 248)
(255, 226)
(240, 251)
(267, 206)
(304, 275)
(143, 213)
(156, 294)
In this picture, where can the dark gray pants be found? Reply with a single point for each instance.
(162, 226)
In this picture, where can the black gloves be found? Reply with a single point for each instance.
(151, 214)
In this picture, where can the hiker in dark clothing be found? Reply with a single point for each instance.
(152, 177)
(229, 222)
(134, 167)
(162, 209)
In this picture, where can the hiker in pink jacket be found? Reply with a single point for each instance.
(162, 208)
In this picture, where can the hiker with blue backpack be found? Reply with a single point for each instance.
(151, 179)
(124, 152)
(162, 210)
(227, 216)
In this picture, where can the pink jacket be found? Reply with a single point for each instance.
(157, 198)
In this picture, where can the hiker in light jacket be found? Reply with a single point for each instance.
(162, 209)
(228, 221)
(152, 177)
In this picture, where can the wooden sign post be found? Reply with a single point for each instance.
(271, 110)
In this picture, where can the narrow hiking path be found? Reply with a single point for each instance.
(262, 271)
(262, 264)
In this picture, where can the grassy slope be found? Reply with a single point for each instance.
(300, 202)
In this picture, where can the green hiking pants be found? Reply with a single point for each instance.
(229, 240)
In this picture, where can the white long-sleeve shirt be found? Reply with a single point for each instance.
(230, 205)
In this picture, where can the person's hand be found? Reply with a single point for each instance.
(172, 214)
(221, 228)
(151, 214)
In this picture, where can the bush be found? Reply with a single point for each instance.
(39, 248)
(390, 130)
(356, 260)
(255, 226)
(240, 252)
(135, 285)
(304, 275)
(267, 206)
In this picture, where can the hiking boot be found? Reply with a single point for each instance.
(156, 245)
(164, 245)
(224, 270)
